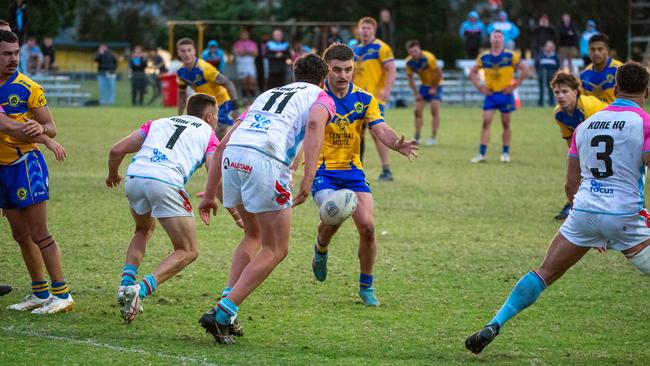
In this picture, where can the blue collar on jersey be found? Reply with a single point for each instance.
(11, 79)
(621, 102)
(328, 89)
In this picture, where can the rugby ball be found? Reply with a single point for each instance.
(338, 207)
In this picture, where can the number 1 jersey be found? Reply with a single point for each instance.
(173, 149)
(610, 146)
(275, 123)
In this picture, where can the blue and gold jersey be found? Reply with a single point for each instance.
(342, 142)
(424, 67)
(18, 96)
(585, 107)
(600, 84)
(369, 61)
(499, 70)
(202, 78)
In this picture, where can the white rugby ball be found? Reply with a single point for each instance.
(338, 207)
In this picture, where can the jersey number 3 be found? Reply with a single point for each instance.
(604, 156)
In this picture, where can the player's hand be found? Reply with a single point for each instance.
(303, 193)
(57, 149)
(508, 89)
(235, 216)
(32, 128)
(206, 206)
(407, 148)
(433, 91)
(113, 180)
(601, 249)
(485, 91)
(418, 97)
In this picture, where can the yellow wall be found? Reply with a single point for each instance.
(71, 60)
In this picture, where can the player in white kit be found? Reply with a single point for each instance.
(168, 150)
(255, 157)
(605, 181)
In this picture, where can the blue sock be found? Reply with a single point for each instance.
(524, 294)
(147, 286)
(129, 271)
(506, 149)
(226, 309)
(40, 289)
(60, 290)
(482, 150)
(225, 293)
(365, 280)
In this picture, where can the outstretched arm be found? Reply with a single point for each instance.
(388, 137)
(129, 144)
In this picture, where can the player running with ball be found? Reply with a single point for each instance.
(607, 164)
(340, 167)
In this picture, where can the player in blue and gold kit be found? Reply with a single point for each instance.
(24, 181)
(598, 78)
(499, 65)
(425, 64)
(340, 163)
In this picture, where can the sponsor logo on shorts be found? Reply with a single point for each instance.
(21, 193)
(282, 194)
(261, 123)
(158, 157)
(241, 167)
(601, 190)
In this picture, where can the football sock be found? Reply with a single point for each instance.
(60, 290)
(482, 149)
(365, 280)
(524, 294)
(225, 292)
(147, 286)
(226, 309)
(129, 271)
(506, 149)
(318, 248)
(40, 289)
(385, 168)
(417, 136)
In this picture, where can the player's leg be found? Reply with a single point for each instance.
(561, 255)
(182, 233)
(639, 256)
(323, 188)
(485, 135)
(505, 137)
(363, 219)
(246, 250)
(435, 121)
(419, 106)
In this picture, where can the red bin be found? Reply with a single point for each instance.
(169, 89)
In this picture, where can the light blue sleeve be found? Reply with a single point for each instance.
(490, 28)
(461, 32)
(514, 31)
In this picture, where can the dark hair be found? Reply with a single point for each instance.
(632, 77)
(9, 37)
(497, 31)
(338, 51)
(368, 20)
(310, 68)
(412, 43)
(600, 37)
(4, 22)
(565, 78)
(198, 102)
(185, 40)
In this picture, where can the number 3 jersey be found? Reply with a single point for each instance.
(173, 149)
(610, 146)
(275, 123)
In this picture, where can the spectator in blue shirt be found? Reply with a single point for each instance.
(508, 28)
(471, 32)
(589, 32)
(214, 55)
(546, 65)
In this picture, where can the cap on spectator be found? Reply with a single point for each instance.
(213, 43)
(503, 15)
(473, 14)
(591, 22)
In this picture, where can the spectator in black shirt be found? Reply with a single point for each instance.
(543, 33)
(546, 65)
(386, 29)
(106, 66)
(568, 41)
(278, 54)
(49, 55)
(137, 64)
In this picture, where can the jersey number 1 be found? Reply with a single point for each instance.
(604, 156)
(274, 98)
(175, 136)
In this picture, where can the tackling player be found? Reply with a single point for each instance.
(425, 64)
(375, 73)
(168, 150)
(599, 77)
(572, 109)
(607, 164)
(24, 187)
(254, 158)
(340, 166)
(499, 65)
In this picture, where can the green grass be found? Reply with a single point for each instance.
(453, 239)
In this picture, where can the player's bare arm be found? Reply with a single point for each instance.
(573, 178)
(437, 76)
(393, 141)
(476, 80)
(14, 129)
(315, 129)
(229, 85)
(523, 72)
(128, 145)
(42, 123)
(413, 87)
(391, 73)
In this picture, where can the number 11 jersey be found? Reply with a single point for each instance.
(610, 146)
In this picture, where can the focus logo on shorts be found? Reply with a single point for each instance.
(601, 190)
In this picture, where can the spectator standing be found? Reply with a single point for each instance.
(158, 68)
(31, 57)
(262, 63)
(543, 33)
(472, 32)
(509, 29)
(106, 66)
(246, 51)
(546, 65)
(214, 55)
(49, 55)
(278, 54)
(299, 49)
(568, 41)
(589, 32)
(137, 65)
(18, 18)
(386, 28)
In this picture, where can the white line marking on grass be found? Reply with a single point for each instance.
(94, 343)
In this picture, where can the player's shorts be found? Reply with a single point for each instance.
(253, 179)
(224, 113)
(159, 198)
(424, 92)
(586, 229)
(25, 182)
(353, 179)
(505, 103)
(245, 66)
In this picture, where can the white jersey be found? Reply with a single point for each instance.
(610, 146)
(275, 123)
(173, 149)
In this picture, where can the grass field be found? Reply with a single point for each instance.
(453, 239)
